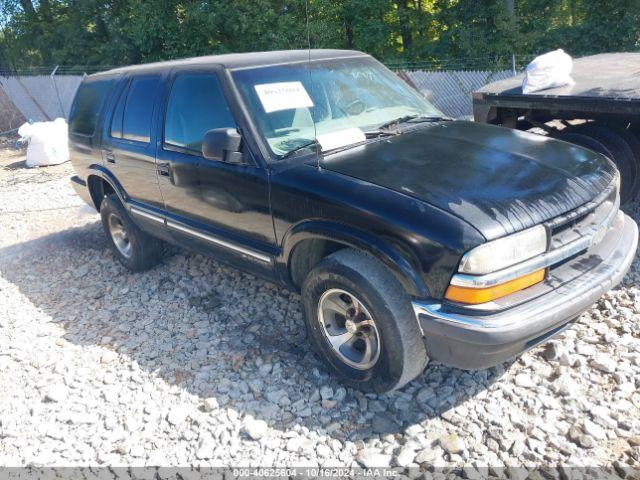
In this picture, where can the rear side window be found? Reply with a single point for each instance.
(196, 104)
(138, 109)
(87, 106)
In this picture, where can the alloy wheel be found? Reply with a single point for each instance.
(119, 235)
(349, 329)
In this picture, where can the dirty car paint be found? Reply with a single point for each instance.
(499, 180)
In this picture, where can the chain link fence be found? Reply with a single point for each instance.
(10, 117)
(35, 96)
(451, 91)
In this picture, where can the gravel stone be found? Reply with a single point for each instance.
(426, 455)
(178, 415)
(324, 451)
(565, 385)
(586, 441)
(604, 364)
(328, 404)
(206, 448)
(109, 356)
(524, 380)
(256, 429)
(370, 458)
(553, 351)
(55, 393)
(405, 457)
(451, 443)
(594, 430)
(384, 424)
(210, 404)
(326, 392)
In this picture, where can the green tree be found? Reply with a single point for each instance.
(445, 33)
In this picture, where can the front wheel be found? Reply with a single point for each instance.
(361, 322)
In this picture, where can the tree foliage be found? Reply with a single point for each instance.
(458, 33)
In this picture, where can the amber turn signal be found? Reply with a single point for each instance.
(482, 295)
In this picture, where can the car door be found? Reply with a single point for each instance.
(212, 205)
(130, 142)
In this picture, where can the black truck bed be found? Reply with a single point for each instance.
(604, 83)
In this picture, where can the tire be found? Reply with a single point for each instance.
(633, 140)
(619, 145)
(586, 142)
(401, 354)
(135, 249)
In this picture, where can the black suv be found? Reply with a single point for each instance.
(410, 236)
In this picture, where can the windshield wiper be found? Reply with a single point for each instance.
(379, 133)
(412, 118)
(298, 148)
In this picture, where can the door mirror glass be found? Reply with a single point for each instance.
(222, 145)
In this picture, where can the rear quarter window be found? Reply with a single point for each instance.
(87, 106)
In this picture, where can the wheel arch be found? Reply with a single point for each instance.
(305, 244)
(100, 183)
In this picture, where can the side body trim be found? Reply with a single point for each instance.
(194, 233)
(147, 215)
(218, 241)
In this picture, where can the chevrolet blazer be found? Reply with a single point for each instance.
(410, 236)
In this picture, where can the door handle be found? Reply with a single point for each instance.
(164, 169)
(111, 158)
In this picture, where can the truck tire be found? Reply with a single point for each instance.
(618, 144)
(633, 140)
(360, 321)
(135, 249)
(585, 141)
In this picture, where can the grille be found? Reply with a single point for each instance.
(584, 220)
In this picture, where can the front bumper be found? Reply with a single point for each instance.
(485, 339)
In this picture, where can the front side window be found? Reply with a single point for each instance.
(138, 109)
(293, 104)
(87, 106)
(196, 105)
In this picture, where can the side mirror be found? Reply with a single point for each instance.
(222, 145)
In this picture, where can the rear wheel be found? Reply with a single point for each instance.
(360, 320)
(134, 248)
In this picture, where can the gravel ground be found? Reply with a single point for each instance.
(194, 363)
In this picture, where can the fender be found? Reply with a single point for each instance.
(354, 238)
(104, 173)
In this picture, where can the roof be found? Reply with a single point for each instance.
(242, 60)
(607, 75)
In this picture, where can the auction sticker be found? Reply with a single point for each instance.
(283, 96)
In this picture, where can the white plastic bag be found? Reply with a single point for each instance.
(550, 70)
(47, 142)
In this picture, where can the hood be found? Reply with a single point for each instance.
(497, 179)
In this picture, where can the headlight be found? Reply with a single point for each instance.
(505, 251)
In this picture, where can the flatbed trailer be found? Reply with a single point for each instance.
(601, 111)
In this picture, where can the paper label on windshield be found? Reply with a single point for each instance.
(283, 96)
(341, 138)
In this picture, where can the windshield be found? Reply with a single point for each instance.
(344, 98)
